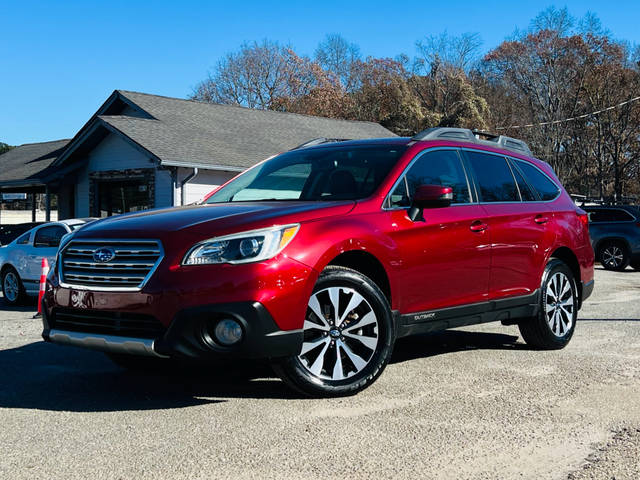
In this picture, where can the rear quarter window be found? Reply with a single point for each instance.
(547, 190)
(24, 239)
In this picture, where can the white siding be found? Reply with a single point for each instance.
(115, 153)
(164, 189)
(112, 153)
(205, 181)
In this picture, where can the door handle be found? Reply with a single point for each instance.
(541, 219)
(478, 226)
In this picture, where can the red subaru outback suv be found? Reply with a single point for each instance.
(320, 258)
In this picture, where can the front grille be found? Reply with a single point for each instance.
(106, 322)
(132, 263)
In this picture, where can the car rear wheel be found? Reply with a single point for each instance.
(614, 255)
(348, 337)
(12, 287)
(555, 323)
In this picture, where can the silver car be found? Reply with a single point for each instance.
(21, 260)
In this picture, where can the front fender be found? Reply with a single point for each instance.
(318, 243)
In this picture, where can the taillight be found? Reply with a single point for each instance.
(584, 218)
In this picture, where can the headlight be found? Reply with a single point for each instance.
(245, 247)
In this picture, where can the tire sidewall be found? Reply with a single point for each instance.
(551, 269)
(386, 337)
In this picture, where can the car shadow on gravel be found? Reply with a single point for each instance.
(49, 377)
(580, 320)
(28, 306)
(448, 341)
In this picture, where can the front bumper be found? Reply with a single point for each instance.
(103, 342)
(166, 317)
(186, 335)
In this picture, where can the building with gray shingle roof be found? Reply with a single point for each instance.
(27, 165)
(138, 149)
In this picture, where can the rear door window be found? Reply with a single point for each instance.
(538, 180)
(494, 177)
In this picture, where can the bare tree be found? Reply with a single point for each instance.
(446, 52)
(336, 55)
(635, 58)
(549, 78)
(556, 20)
(553, 77)
(440, 79)
(256, 76)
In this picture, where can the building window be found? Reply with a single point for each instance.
(122, 197)
(116, 192)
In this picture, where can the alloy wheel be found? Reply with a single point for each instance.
(559, 308)
(11, 288)
(340, 334)
(613, 256)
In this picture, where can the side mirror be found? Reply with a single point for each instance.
(429, 196)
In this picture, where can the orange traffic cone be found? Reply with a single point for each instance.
(43, 281)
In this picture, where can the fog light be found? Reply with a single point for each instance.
(228, 332)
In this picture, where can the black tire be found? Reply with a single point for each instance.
(296, 372)
(614, 255)
(10, 296)
(545, 331)
(137, 363)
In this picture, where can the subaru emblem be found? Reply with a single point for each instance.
(104, 254)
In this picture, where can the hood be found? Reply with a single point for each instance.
(210, 220)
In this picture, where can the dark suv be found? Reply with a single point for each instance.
(615, 235)
(321, 257)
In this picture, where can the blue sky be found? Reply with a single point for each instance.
(60, 60)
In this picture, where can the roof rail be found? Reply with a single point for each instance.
(474, 136)
(320, 141)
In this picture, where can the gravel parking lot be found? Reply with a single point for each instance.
(466, 403)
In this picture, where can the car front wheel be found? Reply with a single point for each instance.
(12, 288)
(348, 337)
(555, 323)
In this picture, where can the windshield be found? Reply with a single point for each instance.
(330, 173)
